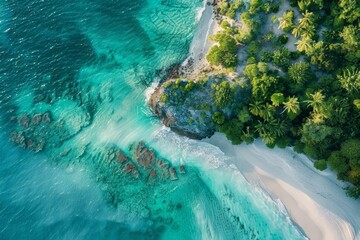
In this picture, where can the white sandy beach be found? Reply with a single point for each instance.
(201, 44)
(206, 27)
(315, 200)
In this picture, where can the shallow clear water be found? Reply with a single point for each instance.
(91, 64)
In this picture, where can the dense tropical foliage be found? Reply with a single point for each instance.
(304, 93)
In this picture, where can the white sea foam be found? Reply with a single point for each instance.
(150, 90)
(200, 11)
(218, 171)
(204, 223)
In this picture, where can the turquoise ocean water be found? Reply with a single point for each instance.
(90, 64)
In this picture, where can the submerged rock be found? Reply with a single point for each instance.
(166, 173)
(36, 119)
(152, 177)
(18, 138)
(131, 169)
(24, 121)
(152, 173)
(38, 131)
(182, 169)
(81, 151)
(35, 145)
(121, 157)
(145, 157)
(46, 118)
(164, 166)
(173, 175)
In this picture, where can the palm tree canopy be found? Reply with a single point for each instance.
(350, 79)
(286, 21)
(304, 44)
(292, 105)
(316, 100)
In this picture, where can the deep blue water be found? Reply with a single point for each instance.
(89, 64)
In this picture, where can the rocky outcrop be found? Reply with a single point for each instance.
(145, 157)
(180, 113)
(188, 107)
(34, 131)
(121, 157)
(182, 169)
(173, 174)
(143, 165)
(39, 130)
(156, 170)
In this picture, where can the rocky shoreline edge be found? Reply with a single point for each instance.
(194, 108)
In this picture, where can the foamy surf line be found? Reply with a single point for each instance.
(315, 201)
(218, 171)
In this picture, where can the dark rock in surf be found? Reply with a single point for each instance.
(144, 156)
(36, 119)
(173, 175)
(182, 169)
(121, 157)
(46, 117)
(24, 121)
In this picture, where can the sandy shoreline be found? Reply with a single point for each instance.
(206, 26)
(201, 44)
(315, 200)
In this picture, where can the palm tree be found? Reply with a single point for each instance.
(255, 109)
(261, 128)
(317, 117)
(300, 30)
(267, 112)
(349, 10)
(349, 35)
(308, 32)
(307, 20)
(292, 105)
(316, 101)
(304, 4)
(279, 128)
(265, 133)
(229, 59)
(268, 138)
(297, 31)
(248, 135)
(304, 44)
(286, 21)
(350, 79)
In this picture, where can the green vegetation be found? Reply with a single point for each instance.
(223, 95)
(218, 118)
(286, 22)
(300, 73)
(309, 98)
(229, 9)
(225, 53)
(283, 39)
(281, 57)
(346, 163)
